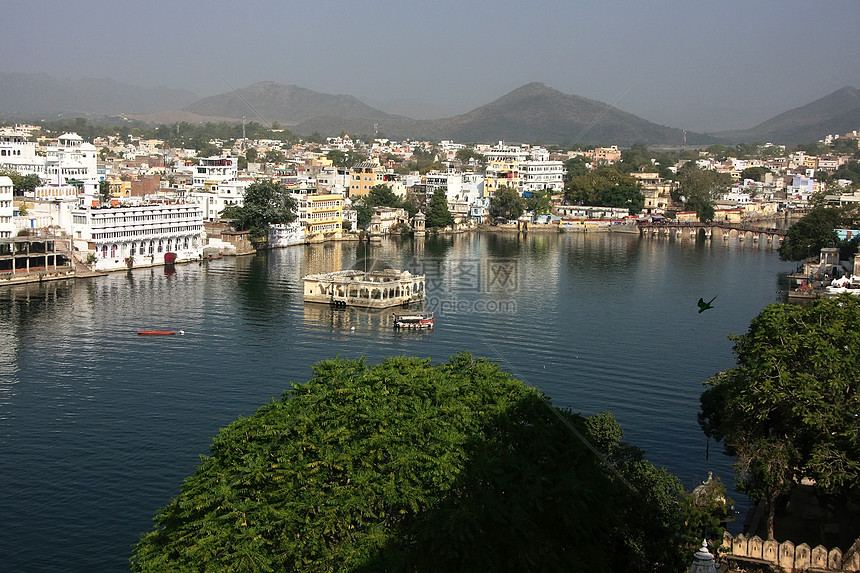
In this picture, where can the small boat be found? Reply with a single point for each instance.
(155, 332)
(414, 320)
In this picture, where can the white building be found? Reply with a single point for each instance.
(218, 196)
(541, 175)
(139, 235)
(71, 160)
(461, 189)
(7, 226)
(214, 170)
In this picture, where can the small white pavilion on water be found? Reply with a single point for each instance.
(371, 289)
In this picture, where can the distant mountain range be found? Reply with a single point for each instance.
(837, 113)
(40, 96)
(533, 113)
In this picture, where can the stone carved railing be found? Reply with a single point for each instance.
(789, 557)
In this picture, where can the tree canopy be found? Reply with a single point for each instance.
(698, 188)
(406, 466)
(539, 203)
(438, 214)
(817, 229)
(506, 203)
(265, 202)
(605, 187)
(574, 167)
(380, 196)
(468, 155)
(756, 173)
(344, 159)
(22, 183)
(791, 407)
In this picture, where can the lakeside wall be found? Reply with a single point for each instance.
(788, 557)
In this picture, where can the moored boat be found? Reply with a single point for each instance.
(414, 320)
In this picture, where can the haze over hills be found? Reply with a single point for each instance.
(39, 95)
(837, 113)
(289, 105)
(533, 113)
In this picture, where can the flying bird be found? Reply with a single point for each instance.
(703, 306)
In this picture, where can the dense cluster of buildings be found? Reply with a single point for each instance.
(131, 202)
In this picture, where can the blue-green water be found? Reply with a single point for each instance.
(98, 426)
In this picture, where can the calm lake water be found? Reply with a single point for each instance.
(98, 426)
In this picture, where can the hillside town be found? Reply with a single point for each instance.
(120, 202)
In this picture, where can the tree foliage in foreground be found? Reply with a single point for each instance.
(817, 229)
(406, 466)
(791, 407)
(265, 202)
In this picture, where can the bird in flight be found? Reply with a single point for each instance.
(703, 306)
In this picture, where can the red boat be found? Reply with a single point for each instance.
(155, 332)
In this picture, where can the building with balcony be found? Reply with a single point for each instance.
(541, 175)
(139, 235)
(321, 214)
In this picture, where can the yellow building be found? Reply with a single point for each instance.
(501, 173)
(363, 176)
(119, 188)
(321, 213)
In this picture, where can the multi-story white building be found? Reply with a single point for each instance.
(216, 197)
(214, 170)
(461, 189)
(72, 160)
(7, 226)
(541, 175)
(139, 235)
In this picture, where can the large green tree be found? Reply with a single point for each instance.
(817, 229)
(574, 167)
(344, 159)
(406, 466)
(698, 188)
(605, 187)
(506, 203)
(539, 203)
(790, 409)
(265, 202)
(380, 196)
(22, 183)
(438, 214)
(467, 154)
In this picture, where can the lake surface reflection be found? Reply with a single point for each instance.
(98, 426)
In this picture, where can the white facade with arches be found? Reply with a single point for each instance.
(139, 235)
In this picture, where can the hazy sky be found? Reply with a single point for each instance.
(689, 64)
